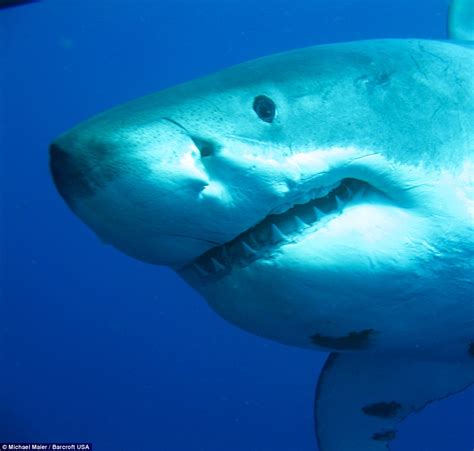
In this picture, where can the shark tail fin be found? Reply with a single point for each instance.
(461, 20)
(361, 399)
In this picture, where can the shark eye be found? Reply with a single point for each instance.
(265, 108)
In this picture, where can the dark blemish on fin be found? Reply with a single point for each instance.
(382, 409)
(353, 340)
(470, 350)
(384, 436)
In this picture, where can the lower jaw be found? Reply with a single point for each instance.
(264, 240)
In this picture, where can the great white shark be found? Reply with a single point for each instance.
(321, 198)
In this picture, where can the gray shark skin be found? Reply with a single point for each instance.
(322, 198)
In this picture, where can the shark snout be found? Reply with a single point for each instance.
(145, 190)
(70, 174)
(82, 165)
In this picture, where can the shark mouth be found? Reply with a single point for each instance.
(278, 229)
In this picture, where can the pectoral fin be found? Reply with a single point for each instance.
(361, 399)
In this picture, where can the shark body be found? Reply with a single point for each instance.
(322, 198)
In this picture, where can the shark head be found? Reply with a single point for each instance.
(280, 187)
(322, 198)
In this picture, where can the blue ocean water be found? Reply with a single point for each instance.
(97, 347)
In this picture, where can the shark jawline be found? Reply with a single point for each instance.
(275, 230)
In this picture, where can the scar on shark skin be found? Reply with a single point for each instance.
(382, 409)
(384, 436)
(353, 340)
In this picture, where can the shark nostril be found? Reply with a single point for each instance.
(206, 148)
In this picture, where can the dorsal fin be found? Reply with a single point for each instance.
(461, 20)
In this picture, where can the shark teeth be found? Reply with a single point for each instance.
(277, 234)
(249, 251)
(217, 266)
(300, 223)
(307, 197)
(279, 228)
(318, 213)
(200, 270)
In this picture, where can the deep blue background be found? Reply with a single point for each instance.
(95, 346)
